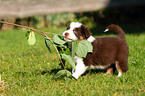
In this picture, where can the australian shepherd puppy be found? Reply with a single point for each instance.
(106, 50)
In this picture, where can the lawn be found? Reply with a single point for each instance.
(28, 70)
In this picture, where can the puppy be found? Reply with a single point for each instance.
(106, 50)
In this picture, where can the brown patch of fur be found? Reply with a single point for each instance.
(107, 50)
(85, 32)
(82, 33)
(81, 38)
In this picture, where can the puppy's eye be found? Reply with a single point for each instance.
(75, 31)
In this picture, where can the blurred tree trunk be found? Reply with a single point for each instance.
(44, 22)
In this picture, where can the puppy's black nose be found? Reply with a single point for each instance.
(66, 34)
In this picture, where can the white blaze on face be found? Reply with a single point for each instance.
(71, 35)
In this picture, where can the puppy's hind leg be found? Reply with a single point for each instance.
(121, 66)
(80, 68)
(118, 67)
(111, 69)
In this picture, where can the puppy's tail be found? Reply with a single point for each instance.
(117, 29)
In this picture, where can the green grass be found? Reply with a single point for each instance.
(28, 70)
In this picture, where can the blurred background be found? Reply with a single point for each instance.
(59, 13)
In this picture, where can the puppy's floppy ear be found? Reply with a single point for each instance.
(85, 32)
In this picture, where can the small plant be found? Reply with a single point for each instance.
(66, 49)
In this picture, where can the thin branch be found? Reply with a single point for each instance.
(53, 33)
(39, 32)
(56, 51)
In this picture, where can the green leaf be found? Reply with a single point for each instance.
(57, 40)
(69, 59)
(27, 34)
(31, 37)
(67, 51)
(62, 74)
(83, 48)
(59, 74)
(47, 43)
(68, 73)
(74, 44)
(88, 44)
(61, 45)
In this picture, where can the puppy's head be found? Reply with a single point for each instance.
(76, 31)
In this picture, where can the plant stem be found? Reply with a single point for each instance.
(56, 50)
(73, 49)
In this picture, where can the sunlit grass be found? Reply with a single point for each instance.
(28, 70)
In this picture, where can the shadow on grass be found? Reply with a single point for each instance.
(94, 71)
(54, 71)
(89, 71)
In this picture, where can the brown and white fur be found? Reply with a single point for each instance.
(106, 50)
